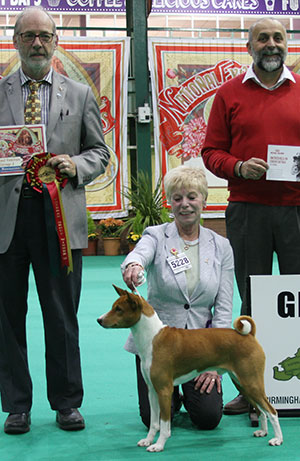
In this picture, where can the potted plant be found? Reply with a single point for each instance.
(110, 230)
(133, 239)
(91, 250)
(148, 206)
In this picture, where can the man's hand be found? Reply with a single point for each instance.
(64, 163)
(254, 168)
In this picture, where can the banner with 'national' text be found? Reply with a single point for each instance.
(185, 75)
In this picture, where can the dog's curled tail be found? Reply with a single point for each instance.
(245, 325)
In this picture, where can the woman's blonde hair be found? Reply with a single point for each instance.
(185, 177)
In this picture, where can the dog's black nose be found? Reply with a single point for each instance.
(99, 321)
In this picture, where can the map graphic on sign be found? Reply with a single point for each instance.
(291, 368)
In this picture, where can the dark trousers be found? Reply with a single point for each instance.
(255, 233)
(59, 299)
(205, 410)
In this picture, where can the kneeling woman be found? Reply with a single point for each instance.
(197, 294)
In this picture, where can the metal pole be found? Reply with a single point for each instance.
(136, 11)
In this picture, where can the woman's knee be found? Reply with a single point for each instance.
(205, 420)
(205, 410)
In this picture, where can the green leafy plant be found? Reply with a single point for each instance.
(92, 228)
(148, 207)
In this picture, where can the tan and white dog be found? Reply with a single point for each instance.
(172, 356)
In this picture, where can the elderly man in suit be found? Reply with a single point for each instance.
(73, 128)
(190, 285)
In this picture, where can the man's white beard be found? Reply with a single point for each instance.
(269, 62)
(270, 65)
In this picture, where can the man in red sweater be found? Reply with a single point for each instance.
(249, 112)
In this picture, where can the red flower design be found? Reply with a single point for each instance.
(194, 135)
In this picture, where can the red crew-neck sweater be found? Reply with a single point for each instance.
(244, 119)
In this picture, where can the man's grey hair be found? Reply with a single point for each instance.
(251, 28)
(28, 10)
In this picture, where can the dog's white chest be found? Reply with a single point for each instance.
(143, 333)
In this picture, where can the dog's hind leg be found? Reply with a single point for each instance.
(278, 439)
(263, 431)
(154, 418)
(273, 417)
(257, 397)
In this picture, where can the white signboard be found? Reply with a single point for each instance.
(275, 307)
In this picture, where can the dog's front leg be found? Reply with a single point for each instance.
(154, 418)
(165, 433)
(164, 398)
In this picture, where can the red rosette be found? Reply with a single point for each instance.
(42, 177)
(37, 172)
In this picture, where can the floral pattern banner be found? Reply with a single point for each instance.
(185, 77)
(103, 65)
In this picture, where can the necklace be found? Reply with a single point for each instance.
(189, 243)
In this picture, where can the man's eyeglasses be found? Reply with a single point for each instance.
(29, 37)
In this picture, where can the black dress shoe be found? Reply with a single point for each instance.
(237, 406)
(17, 423)
(70, 419)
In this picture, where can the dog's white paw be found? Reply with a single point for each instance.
(260, 433)
(156, 447)
(144, 442)
(276, 441)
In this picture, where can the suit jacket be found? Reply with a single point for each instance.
(211, 300)
(78, 134)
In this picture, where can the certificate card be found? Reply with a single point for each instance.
(18, 144)
(284, 163)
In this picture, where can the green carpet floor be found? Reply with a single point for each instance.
(113, 426)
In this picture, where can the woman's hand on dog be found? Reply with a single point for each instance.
(206, 381)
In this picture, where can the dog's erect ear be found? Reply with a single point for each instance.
(120, 291)
(134, 300)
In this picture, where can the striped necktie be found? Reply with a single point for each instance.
(32, 113)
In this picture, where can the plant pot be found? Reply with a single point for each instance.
(111, 246)
(91, 250)
(131, 246)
